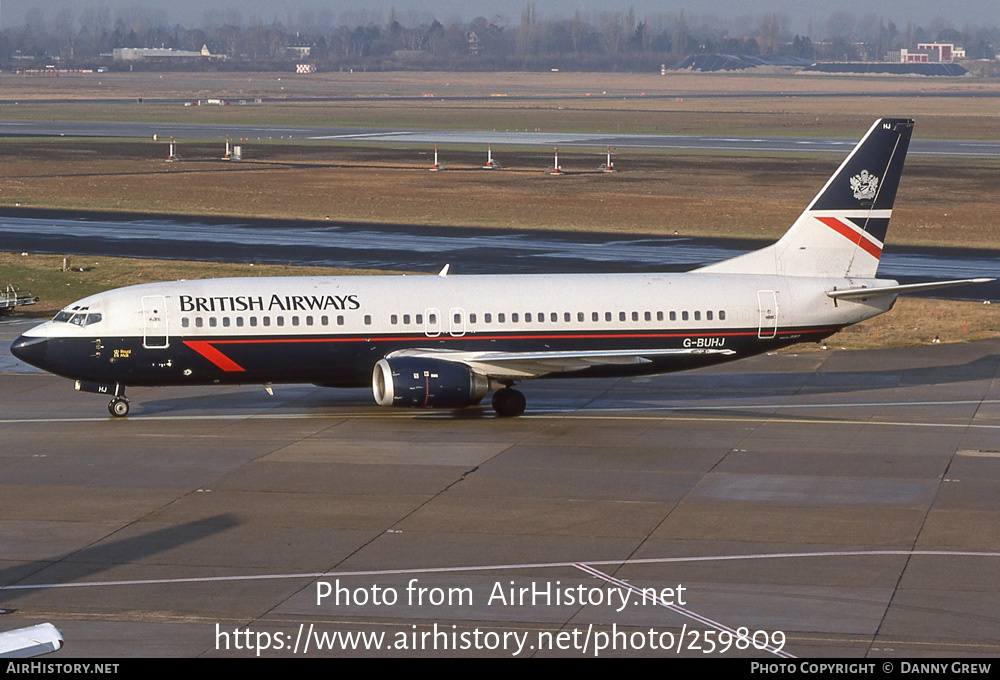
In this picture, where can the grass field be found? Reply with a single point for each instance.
(43, 275)
(680, 103)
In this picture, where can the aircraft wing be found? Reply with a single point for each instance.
(32, 641)
(521, 365)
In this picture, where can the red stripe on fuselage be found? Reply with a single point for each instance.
(204, 348)
(853, 235)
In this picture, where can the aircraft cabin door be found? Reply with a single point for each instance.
(155, 334)
(767, 306)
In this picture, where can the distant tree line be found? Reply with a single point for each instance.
(613, 41)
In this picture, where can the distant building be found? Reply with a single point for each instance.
(161, 54)
(905, 56)
(152, 53)
(929, 53)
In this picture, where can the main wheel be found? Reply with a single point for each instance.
(118, 407)
(508, 403)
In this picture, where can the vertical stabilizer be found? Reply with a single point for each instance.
(841, 232)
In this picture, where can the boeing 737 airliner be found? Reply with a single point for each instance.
(448, 341)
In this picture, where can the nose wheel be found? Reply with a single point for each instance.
(118, 407)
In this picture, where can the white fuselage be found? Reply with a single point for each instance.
(272, 329)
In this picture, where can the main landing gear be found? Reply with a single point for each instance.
(508, 402)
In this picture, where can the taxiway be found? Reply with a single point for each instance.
(845, 499)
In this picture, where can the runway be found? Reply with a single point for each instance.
(500, 138)
(830, 503)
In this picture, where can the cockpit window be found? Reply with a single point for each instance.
(78, 316)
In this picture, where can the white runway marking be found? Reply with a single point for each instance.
(587, 567)
(507, 567)
(704, 620)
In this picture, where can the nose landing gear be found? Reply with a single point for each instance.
(118, 407)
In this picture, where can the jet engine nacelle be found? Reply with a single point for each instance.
(422, 382)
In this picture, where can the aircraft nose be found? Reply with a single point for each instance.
(31, 350)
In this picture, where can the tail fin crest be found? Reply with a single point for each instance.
(842, 231)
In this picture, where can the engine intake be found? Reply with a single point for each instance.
(421, 382)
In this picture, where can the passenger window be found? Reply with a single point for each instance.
(684, 316)
(253, 321)
(501, 318)
(472, 318)
(432, 319)
(553, 317)
(185, 322)
(406, 319)
(212, 322)
(635, 316)
(607, 316)
(659, 316)
(295, 320)
(393, 319)
(722, 315)
(697, 316)
(648, 317)
(488, 318)
(281, 321)
(621, 316)
(368, 319)
(239, 322)
(309, 321)
(513, 317)
(225, 321)
(324, 320)
(340, 319)
(527, 317)
(267, 320)
(708, 315)
(673, 316)
(420, 319)
(595, 316)
(199, 322)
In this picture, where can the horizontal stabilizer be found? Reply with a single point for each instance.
(24, 643)
(852, 293)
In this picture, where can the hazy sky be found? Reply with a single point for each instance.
(801, 13)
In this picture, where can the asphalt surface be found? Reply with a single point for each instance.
(918, 147)
(837, 503)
